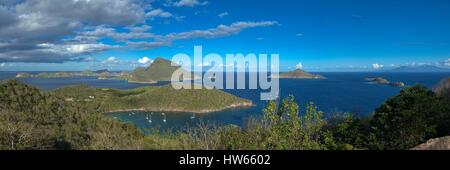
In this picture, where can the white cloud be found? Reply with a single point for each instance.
(145, 60)
(219, 31)
(299, 66)
(377, 66)
(27, 24)
(189, 3)
(56, 35)
(110, 60)
(445, 63)
(158, 13)
(223, 14)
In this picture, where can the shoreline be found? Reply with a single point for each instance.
(204, 111)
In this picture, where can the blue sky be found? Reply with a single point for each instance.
(322, 35)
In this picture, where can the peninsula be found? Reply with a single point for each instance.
(152, 98)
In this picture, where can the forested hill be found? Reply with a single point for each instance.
(35, 119)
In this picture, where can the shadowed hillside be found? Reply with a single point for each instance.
(160, 70)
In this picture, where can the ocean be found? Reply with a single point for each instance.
(339, 93)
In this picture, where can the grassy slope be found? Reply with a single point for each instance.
(154, 98)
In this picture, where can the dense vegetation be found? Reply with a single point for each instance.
(402, 122)
(32, 119)
(151, 98)
(281, 128)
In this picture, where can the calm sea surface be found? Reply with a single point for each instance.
(340, 92)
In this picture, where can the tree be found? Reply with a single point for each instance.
(407, 119)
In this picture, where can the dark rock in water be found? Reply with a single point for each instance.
(442, 143)
(23, 75)
(381, 80)
(101, 71)
(399, 84)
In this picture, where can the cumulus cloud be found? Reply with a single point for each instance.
(377, 66)
(115, 12)
(145, 60)
(111, 60)
(223, 14)
(158, 13)
(445, 63)
(190, 3)
(55, 31)
(102, 32)
(219, 31)
(34, 30)
(299, 66)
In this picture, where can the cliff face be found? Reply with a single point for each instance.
(442, 143)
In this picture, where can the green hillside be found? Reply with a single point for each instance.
(35, 119)
(153, 98)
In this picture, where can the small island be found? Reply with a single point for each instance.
(300, 74)
(152, 98)
(381, 80)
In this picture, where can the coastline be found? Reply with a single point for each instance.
(203, 111)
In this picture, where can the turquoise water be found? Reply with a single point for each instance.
(340, 92)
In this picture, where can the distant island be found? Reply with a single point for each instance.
(381, 80)
(152, 98)
(422, 68)
(102, 74)
(300, 74)
(159, 70)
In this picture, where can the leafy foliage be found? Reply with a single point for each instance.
(33, 119)
(282, 128)
(402, 122)
(152, 98)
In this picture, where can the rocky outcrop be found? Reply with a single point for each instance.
(443, 88)
(381, 80)
(442, 143)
